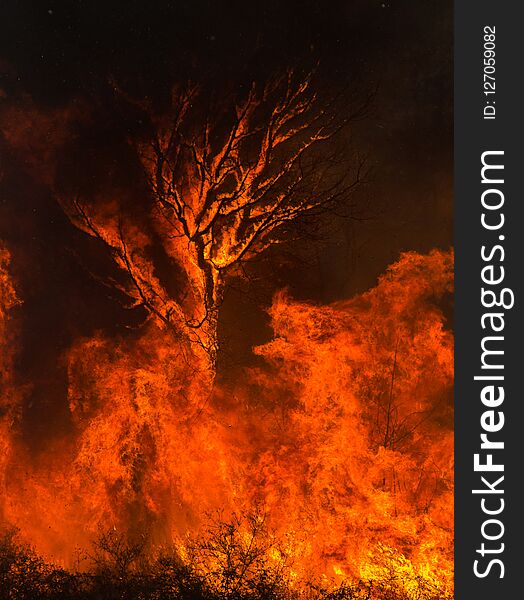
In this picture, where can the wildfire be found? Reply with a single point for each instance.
(330, 463)
(332, 459)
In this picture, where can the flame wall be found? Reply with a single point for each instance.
(342, 436)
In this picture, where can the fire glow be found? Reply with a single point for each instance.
(341, 438)
(332, 457)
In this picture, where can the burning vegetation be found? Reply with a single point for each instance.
(323, 470)
(329, 464)
(227, 178)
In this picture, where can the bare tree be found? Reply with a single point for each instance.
(226, 179)
(115, 554)
(241, 557)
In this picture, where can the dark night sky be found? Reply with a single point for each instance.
(59, 53)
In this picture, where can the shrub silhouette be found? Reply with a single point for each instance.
(228, 563)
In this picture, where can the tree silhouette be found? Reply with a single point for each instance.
(226, 178)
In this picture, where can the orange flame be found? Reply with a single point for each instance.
(342, 438)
